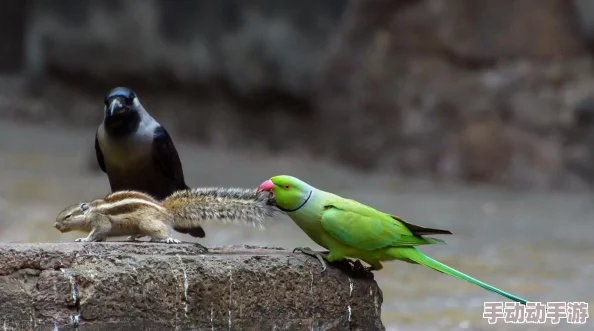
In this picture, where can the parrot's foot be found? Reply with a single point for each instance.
(359, 269)
(310, 252)
(354, 268)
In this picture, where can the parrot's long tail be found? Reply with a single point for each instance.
(413, 255)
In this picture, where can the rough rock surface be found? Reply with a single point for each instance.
(469, 90)
(133, 286)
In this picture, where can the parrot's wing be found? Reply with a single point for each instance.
(364, 228)
(418, 230)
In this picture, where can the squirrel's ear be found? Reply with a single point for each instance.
(84, 206)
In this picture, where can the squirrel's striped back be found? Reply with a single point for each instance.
(126, 202)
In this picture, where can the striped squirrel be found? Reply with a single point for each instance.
(136, 214)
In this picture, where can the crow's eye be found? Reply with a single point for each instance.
(129, 101)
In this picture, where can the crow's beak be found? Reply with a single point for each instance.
(116, 107)
(266, 186)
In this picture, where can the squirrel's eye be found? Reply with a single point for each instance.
(67, 217)
(287, 186)
(84, 206)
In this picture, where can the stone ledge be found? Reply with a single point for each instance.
(132, 286)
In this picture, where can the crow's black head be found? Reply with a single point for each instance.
(118, 101)
(122, 114)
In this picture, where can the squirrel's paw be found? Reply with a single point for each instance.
(167, 240)
(86, 239)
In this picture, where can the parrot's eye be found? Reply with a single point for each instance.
(287, 186)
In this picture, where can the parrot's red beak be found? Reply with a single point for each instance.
(266, 186)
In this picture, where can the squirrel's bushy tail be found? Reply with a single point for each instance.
(191, 208)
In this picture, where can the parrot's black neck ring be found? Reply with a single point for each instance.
(299, 207)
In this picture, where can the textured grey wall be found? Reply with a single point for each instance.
(472, 90)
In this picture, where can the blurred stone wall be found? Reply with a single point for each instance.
(473, 90)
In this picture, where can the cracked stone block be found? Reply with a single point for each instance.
(127, 286)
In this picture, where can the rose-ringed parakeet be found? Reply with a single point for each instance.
(347, 228)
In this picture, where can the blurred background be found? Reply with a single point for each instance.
(472, 115)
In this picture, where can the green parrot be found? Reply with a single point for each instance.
(347, 228)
